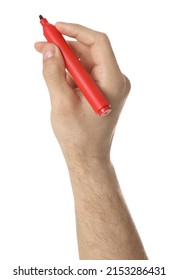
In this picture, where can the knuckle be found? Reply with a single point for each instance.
(127, 84)
(103, 38)
(77, 25)
(124, 87)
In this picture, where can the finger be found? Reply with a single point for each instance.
(83, 53)
(97, 41)
(55, 77)
(81, 33)
(80, 50)
(70, 81)
(39, 46)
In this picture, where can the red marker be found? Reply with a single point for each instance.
(79, 74)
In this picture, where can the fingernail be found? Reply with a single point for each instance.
(48, 51)
(61, 22)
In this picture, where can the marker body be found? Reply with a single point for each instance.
(79, 74)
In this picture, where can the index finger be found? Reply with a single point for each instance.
(98, 42)
(82, 34)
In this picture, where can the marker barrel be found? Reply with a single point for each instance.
(79, 74)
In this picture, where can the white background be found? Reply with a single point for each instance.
(37, 224)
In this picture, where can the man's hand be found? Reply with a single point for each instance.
(105, 229)
(80, 132)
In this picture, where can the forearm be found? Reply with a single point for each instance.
(105, 229)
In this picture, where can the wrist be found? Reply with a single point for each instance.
(85, 163)
(91, 177)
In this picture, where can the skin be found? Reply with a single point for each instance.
(105, 229)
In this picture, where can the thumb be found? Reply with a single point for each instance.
(54, 74)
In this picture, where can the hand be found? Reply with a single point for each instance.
(80, 132)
